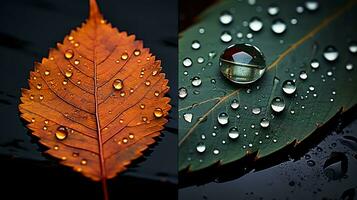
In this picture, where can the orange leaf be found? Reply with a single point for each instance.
(98, 100)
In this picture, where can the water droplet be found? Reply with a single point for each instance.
(278, 104)
(83, 162)
(242, 63)
(137, 52)
(182, 93)
(147, 83)
(234, 104)
(330, 53)
(303, 75)
(314, 64)
(201, 30)
(61, 133)
(255, 24)
(142, 106)
(215, 151)
(349, 66)
(156, 93)
(47, 72)
(293, 21)
(249, 35)
(212, 54)
(311, 5)
(200, 60)
(225, 18)
(39, 86)
(69, 54)
(239, 35)
(195, 45)
(201, 147)
(188, 117)
(329, 73)
(352, 47)
(68, 74)
(124, 56)
(256, 111)
(226, 37)
(264, 123)
(311, 88)
(273, 10)
(299, 9)
(278, 26)
(223, 118)
(196, 81)
(158, 112)
(76, 62)
(118, 84)
(41, 97)
(131, 136)
(187, 62)
(233, 133)
(289, 87)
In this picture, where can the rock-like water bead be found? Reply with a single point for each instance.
(242, 63)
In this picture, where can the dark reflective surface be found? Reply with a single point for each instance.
(29, 29)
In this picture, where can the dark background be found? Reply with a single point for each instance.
(28, 30)
(324, 169)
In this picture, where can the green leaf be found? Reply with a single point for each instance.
(317, 99)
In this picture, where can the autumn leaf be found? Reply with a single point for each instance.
(98, 100)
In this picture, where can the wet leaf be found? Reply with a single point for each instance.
(97, 102)
(229, 121)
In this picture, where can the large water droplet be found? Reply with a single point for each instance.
(330, 53)
(352, 47)
(69, 54)
(182, 93)
(264, 123)
(233, 133)
(255, 24)
(226, 36)
(273, 10)
(311, 5)
(158, 112)
(256, 111)
(289, 87)
(234, 104)
(188, 117)
(242, 63)
(314, 64)
(61, 133)
(349, 66)
(225, 18)
(118, 84)
(278, 26)
(215, 151)
(196, 81)
(187, 62)
(223, 118)
(303, 75)
(195, 45)
(201, 147)
(278, 104)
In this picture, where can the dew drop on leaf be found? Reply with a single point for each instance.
(299, 9)
(352, 47)
(349, 66)
(311, 5)
(273, 10)
(256, 111)
(223, 118)
(195, 45)
(69, 54)
(233, 133)
(158, 112)
(201, 147)
(226, 37)
(215, 151)
(264, 123)
(314, 64)
(255, 24)
(234, 104)
(277, 104)
(330, 53)
(242, 63)
(278, 26)
(289, 87)
(187, 62)
(182, 93)
(61, 133)
(200, 60)
(196, 81)
(118, 84)
(188, 117)
(303, 75)
(225, 18)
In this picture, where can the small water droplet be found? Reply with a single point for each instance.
(299, 9)
(124, 56)
(239, 35)
(187, 62)
(201, 30)
(264, 123)
(212, 54)
(195, 45)
(188, 117)
(273, 10)
(182, 93)
(158, 112)
(329, 73)
(39, 86)
(255, 24)
(278, 26)
(314, 64)
(349, 66)
(83, 162)
(311, 5)
(68, 74)
(289, 87)
(292, 112)
(352, 47)
(234, 104)
(303, 75)
(233, 133)
(225, 18)
(215, 151)
(137, 52)
(200, 60)
(118, 84)
(256, 111)
(223, 118)
(293, 21)
(61, 133)
(196, 81)
(147, 83)
(226, 36)
(278, 104)
(242, 63)
(201, 147)
(330, 53)
(311, 88)
(69, 54)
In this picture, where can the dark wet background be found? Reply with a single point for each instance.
(324, 170)
(28, 30)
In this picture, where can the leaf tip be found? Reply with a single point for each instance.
(94, 12)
